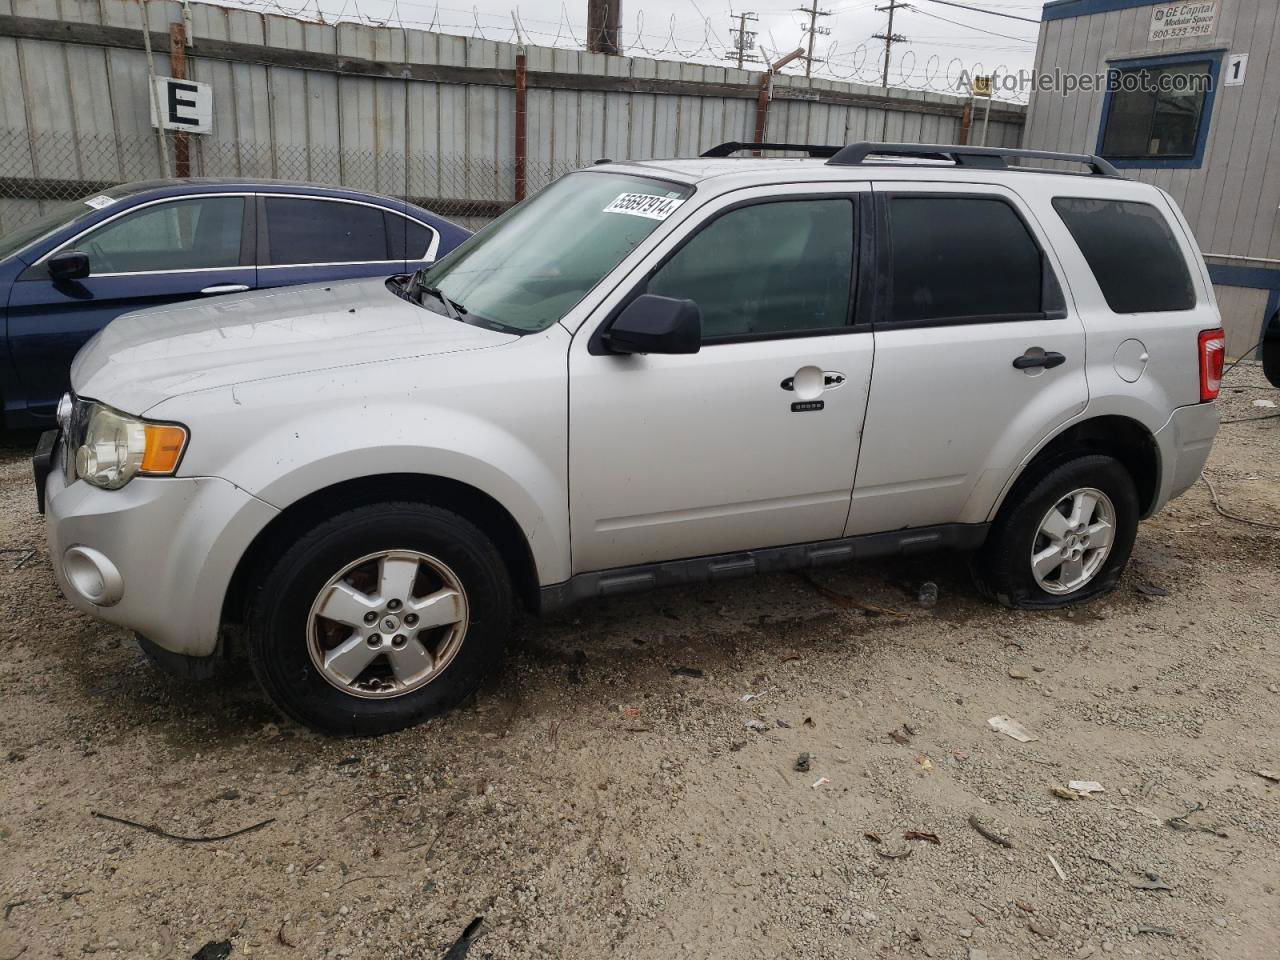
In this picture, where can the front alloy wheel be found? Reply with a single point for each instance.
(379, 617)
(387, 624)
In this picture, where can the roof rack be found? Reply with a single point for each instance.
(989, 158)
(818, 150)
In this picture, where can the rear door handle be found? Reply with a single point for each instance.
(1047, 360)
(225, 288)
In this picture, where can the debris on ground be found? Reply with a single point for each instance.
(1062, 793)
(1018, 673)
(820, 782)
(1151, 590)
(1057, 867)
(924, 763)
(802, 763)
(693, 672)
(470, 935)
(175, 836)
(987, 832)
(893, 852)
(759, 726)
(1085, 786)
(748, 697)
(921, 835)
(1271, 775)
(1011, 728)
(1263, 402)
(1159, 931)
(870, 609)
(927, 596)
(213, 950)
(1182, 823)
(1150, 881)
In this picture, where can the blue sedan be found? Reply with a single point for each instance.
(65, 276)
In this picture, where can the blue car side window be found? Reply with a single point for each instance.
(197, 234)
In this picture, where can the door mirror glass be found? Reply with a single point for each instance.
(653, 324)
(1271, 351)
(69, 265)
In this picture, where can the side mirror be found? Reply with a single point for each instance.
(69, 265)
(653, 324)
(1271, 350)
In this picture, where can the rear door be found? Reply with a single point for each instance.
(149, 255)
(309, 239)
(978, 354)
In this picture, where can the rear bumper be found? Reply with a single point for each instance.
(1184, 443)
(157, 554)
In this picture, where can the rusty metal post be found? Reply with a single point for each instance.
(762, 106)
(178, 69)
(522, 177)
(966, 119)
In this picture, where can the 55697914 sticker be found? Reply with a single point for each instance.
(644, 205)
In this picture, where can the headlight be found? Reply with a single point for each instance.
(118, 447)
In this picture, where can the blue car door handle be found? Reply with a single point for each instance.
(226, 288)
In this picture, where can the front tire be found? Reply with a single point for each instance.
(1063, 538)
(379, 618)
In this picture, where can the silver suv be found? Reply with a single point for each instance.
(649, 373)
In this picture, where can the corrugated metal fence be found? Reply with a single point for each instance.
(404, 112)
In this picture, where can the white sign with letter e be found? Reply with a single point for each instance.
(182, 105)
(1233, 75)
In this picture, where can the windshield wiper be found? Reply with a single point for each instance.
(416, 288)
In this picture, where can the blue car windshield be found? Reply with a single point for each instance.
(63, 215)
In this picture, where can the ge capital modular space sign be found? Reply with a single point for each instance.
(181, 105)
(1176, 21)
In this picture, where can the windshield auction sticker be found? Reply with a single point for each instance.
(644, 205)
(99, 202)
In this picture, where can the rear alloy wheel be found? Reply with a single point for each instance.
(1074, 541)
(379, 618)
(1063, 535)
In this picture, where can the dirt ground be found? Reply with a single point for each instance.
(594, 803)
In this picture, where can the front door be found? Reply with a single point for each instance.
(979, 355)
(753, 441)
(152, 255)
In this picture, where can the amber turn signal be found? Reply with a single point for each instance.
(164, 448)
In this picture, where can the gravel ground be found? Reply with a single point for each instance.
(592, 803)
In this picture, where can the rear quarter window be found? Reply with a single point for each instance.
(1132, 252)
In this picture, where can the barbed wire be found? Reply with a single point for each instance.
(861, 64)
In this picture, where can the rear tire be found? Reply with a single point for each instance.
(1063, 537)
(379, 618)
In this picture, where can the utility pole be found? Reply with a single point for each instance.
(744, 40)
(889, 38)
(814, 31)
(603, 19)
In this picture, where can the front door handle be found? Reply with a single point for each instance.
(830, 380)
(1039, 358)
(225, 288)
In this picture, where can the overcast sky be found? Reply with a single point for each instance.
(701, 30)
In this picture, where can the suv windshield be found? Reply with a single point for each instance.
(532, 266)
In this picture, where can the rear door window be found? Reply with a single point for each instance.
(407, 239)
(964, 259)
(302, 231)
(1132, 252)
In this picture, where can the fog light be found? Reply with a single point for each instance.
(93, 576)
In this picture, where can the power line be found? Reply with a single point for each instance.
(993, 13)
(969, 26)
(814, 31)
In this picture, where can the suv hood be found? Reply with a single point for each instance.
(142, 358)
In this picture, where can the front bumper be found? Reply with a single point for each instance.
(173, 543)
(1184, 443)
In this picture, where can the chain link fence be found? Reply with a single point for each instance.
(39, 170)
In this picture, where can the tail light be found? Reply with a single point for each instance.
(1213, 348)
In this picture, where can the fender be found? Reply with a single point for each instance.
(495, 423)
